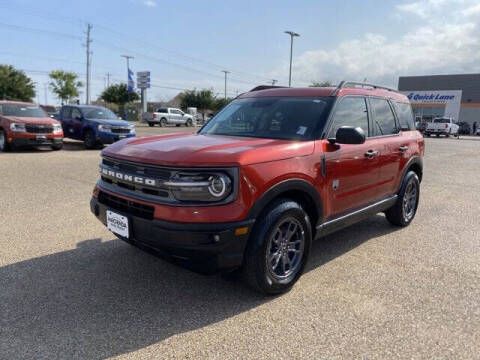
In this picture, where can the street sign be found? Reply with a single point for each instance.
(143, 74)
(143, 79)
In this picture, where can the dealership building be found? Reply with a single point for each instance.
(455, 96)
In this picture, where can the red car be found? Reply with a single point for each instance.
(26, 124)
(274, 170)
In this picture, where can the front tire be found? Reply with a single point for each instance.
(57, 147)
(89, 140)
(278, 248)
(4, 146)
(189, 123)
(405, 208)
(163, 122)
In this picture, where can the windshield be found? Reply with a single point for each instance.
(100, 113)
(22, 110)
(272, 118)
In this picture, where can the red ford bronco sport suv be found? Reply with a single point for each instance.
(274, 170)
(26, 124)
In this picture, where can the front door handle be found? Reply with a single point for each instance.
(403, 148)
(371, 154)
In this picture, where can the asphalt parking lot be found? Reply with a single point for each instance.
(70, 289)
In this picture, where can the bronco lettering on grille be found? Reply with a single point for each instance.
(129, 178)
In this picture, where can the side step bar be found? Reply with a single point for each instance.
(354, 217)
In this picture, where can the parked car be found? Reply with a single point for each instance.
(274, 170)
(51, 110)
(464, 128)
(442, 126)
(170, 116)
(25, 124)
(94, 125)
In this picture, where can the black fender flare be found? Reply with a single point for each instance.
(278, 189)
(416, 160)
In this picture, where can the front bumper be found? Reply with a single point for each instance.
(110, 138)
(214, 246)
(34, 141)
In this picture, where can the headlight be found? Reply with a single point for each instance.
(17, 127)
(131, 127)
(106, 128)
(206, 187)
(57, 128)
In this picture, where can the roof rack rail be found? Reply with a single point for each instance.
(355, 84)
(265, 87)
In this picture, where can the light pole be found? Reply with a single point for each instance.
(292, 34)
(226, 72)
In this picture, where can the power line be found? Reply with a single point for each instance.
(47, 32)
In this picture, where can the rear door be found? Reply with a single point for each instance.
(352, 171)
(77, 123)
(393, 145)
(66, 118)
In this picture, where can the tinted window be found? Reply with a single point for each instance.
(99, 113)
(383, 118)
(405, 116)
(352, 111)
(22, 110)
(66, 112)
(162, 110)
(442, 121)
(272, 118)
(76, 113)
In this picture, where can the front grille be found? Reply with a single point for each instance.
(39, 129)
(120, 130)
(126, 206)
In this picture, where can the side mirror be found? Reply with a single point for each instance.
(79, 118)
(349, 135)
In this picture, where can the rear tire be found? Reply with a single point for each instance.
(278, 248)
(405, 208)
(189, 123)
(151, 124)
(89, 140)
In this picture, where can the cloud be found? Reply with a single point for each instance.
(150, 3)
(436, 46)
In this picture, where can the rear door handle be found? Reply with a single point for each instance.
(403, 148)
(371, 154)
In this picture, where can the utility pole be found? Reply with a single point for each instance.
(273, 82)
(87, 92)
(45, 86)
(108, 79)
(226, 72)
(128, 57)
(292, 35)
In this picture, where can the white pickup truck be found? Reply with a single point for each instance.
(442, 126)
(166, 116)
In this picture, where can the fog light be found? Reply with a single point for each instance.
(241, 231)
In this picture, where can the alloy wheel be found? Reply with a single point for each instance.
(285, 248)
(410, 200)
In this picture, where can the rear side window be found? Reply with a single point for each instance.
(442, 121)
(383, 118)
(162, 110)
(405, 116)
(66, 112)
(352, 111)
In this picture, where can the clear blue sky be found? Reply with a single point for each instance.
(186, 44)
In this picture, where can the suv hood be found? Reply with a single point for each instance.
(110, 122)
(31, 120)
(206, 150)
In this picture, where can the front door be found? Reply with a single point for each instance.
(352, 171)
(77, 123)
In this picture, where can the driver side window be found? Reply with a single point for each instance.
(352, 111)
(76, 113)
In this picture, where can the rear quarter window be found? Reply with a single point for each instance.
(405, 116)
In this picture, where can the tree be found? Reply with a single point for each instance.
(118, 94)
(15, 85)
(220, 103)
(64, 84)
(325, 83)
(202, 99)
